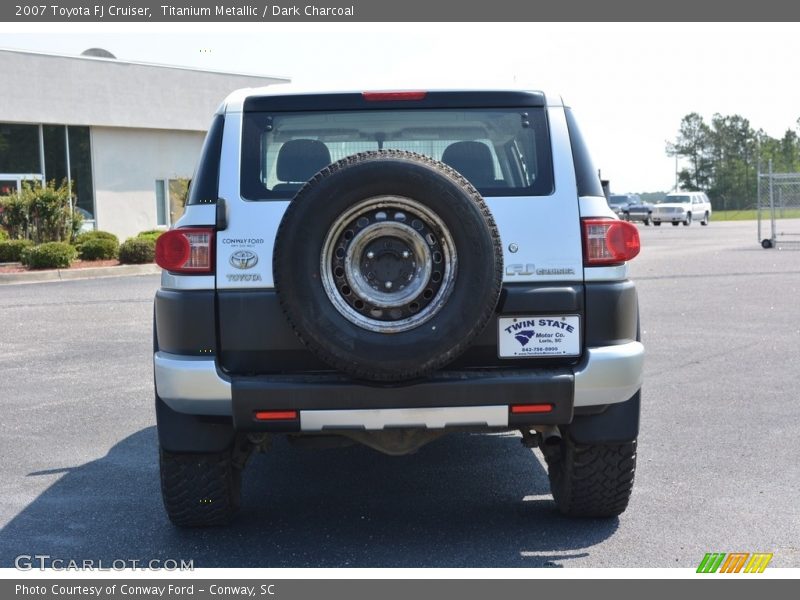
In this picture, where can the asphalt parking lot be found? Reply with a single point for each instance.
(718, 456)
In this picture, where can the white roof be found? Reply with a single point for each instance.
(84, 90)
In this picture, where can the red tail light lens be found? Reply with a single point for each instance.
(609, 242)
(522, 409)
(275, 415)
(393, 96)
(189, 250)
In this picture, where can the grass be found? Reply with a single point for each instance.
(752, 214)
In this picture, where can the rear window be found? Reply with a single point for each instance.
(503, 152)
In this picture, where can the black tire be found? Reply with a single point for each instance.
(766, 244)
(648, 220)
(657, 223)
(320, 306)
(705, 220)
(200, 490)
(688, 220)
(591, 480)
(675, 223)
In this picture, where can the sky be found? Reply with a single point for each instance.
(629, 84)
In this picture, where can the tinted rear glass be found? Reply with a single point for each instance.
(586, 174)
(203, 189)
(503, 152)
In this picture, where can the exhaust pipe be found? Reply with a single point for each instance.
(551, 436)
(545, 436)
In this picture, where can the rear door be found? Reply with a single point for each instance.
(530, 188)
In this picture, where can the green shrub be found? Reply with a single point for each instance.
(98, 249)
(52, 255)
(137, 251)
(94, 235)
(40, 213)
(3, 235)
(15, 215)
(150, 234)
(10, 250)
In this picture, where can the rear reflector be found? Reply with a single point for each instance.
(189, 250)
(393, 96)
(276, 415)
(520, 409)
(608, 242)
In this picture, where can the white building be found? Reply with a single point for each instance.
(125, 134)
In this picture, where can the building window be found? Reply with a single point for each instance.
(162, 210)
(55, 153)
(80, 168)
(19, 149)
(48, 153)
(170, 200)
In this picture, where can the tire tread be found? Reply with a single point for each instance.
(199, 490)
(591, 480)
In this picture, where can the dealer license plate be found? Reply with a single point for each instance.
(524, 337)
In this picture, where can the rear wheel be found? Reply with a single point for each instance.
(657, 223)
(675, 223)
(200, 490)
(648, 220)
(688, 220)
(704, 222)
(591, 480)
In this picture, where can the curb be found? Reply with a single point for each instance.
(73, 274)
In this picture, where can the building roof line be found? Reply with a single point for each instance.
(142, 64)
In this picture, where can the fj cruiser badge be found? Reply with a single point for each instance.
(243, 259)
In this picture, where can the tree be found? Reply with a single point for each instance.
(723, 157)
(692, 144)
(733, 173)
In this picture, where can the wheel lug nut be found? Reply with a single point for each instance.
(406, 254)
(370, 255)
(388, 285)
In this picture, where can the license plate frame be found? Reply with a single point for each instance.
(534, 336)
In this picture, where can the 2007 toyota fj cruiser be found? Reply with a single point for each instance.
(388, 266)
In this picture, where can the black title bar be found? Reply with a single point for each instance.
(243, 11)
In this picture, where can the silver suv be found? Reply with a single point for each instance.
(683, 207)
(386, 267)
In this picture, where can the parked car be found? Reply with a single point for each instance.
(339, 275)
(620, 203)
(641, 211)
(682, 207)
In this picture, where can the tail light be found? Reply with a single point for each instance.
(609, 242)
(393, 96)
(522, 409)
(189, 250)
(275, 415)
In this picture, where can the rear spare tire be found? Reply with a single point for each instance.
(388, 264)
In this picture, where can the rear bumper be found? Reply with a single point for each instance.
(605, 375)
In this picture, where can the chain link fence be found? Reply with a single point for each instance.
(778, 208)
